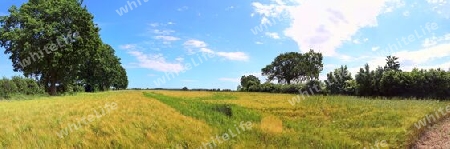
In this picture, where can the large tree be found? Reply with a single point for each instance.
(293, 67)
(50, 39)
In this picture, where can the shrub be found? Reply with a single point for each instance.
(21, 84)
(7, 88)
(78, 88)
(33, 87)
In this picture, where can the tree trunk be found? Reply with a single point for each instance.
(53, 87)
(53, 78)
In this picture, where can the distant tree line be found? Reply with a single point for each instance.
(57, 44)
(298, 73)
(391, 81)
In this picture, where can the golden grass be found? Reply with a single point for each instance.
(271, 124)
(137, 123)
(184, 94)
(143, 122)
(349, 120)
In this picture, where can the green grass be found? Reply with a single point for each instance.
(167, 119)
(318, 121)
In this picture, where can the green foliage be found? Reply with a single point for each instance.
(390, 81)
(250, 83)
(7, 88)
(58, 42)
(392, 63)
(103, 70)
(33, 87)
(338, 82)
(18, 85)
(293, 67)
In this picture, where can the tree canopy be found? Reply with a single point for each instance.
(295, 67)
(248, 81)
(58, 42)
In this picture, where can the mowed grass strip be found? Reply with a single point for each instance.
(322, 121)
(136, 123)
(223, 118)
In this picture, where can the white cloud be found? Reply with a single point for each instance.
(441, 7)
(234, 80)
(129, 46)
(195, 44)
(273, 35)
(271, 10)
(258, 42)
(201, 46)
(375, 48)
(206, 50)
(418, 58)
(424, 55)
(428, 42)
(167, 38)
(237, 56)
(163, 32)
(155, 62)
(264, 21)
(338, 21)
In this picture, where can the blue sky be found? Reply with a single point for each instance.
(211, 44)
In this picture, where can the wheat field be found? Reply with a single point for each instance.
(188, 119)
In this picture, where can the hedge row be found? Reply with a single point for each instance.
(432, 83)
(19, 85)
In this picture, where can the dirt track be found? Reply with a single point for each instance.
(437, 137)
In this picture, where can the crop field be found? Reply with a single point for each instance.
(189, 119)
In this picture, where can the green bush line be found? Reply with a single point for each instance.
(19, 87)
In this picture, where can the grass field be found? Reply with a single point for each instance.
(174, 119)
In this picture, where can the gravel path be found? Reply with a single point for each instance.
(437, 137)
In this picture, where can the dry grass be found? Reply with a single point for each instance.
(137, 123)
(168, 118)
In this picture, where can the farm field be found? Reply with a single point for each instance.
(190, 119)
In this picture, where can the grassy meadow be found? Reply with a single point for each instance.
(177, 119)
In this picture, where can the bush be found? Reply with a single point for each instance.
(19, 85)
(33, 87)
(7, 88)
(78, 88)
